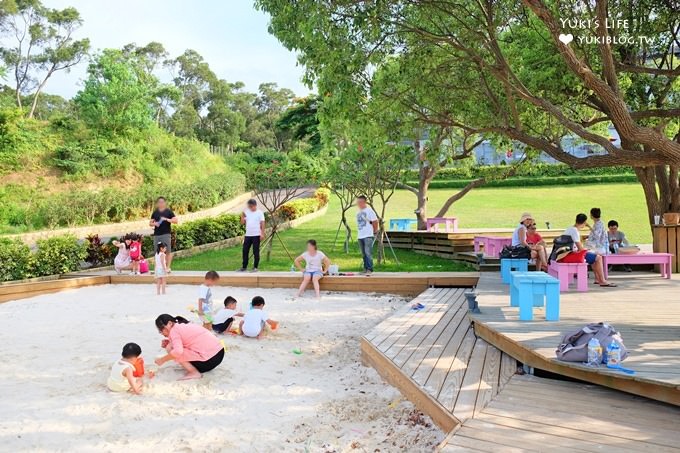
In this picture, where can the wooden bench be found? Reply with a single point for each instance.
(567, 272)
(532, 289)
(664, 260)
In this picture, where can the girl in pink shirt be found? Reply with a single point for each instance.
(193, 347)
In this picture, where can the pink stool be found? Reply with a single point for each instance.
(566, 272)
(492, 244)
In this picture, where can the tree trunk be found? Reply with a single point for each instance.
(38, 91)
(661, 186)
(348, 233)
(424, 180)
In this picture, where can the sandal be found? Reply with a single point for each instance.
(607, 285)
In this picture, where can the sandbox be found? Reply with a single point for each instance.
(58, 349)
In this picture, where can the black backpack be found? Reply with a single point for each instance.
(561, 244)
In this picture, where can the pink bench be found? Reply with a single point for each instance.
(566, 272)
(664, 260)
(451, 224)
(492, 244)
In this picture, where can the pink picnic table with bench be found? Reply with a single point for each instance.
(664, 260)
(451, 224)
(492, 244)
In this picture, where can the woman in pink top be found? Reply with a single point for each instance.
(190, 345)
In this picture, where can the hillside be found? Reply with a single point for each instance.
(60, 173)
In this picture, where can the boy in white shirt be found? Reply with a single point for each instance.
(224, 318)
(255, 319)
(253, 219)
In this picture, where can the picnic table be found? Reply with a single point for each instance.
(492, 244)
(402, 224)
(664, 261)
(451, 224)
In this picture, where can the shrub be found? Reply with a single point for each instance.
(148, 248)
(59, 255)
(535, 181)
(207, 231)
(298, 208)
(114, 205)
(98, 252)
(16, 261)
(322, 194)
(535, 169)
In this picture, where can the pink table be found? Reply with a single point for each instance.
(451, 224)
(664, 261)
(492, 244)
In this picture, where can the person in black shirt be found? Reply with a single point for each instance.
(162, 219)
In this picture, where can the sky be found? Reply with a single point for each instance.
(230, 35)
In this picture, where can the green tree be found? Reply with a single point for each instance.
(499, 69)
(302, 122)
(118, 95)
(43, 44)
(207, 108)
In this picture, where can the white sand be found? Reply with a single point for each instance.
(58, 350)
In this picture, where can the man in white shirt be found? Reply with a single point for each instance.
(367, 226)
(253, 219)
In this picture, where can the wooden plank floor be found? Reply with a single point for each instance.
(644, 308)
(534, 414)
(436, 353)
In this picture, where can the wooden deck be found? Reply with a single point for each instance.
(534, 414)
(644, 308)
(434, 358)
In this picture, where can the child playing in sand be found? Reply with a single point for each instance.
(135, 253)
(205, 306)
(122, 378)
(122, 261)
(255, 320)
(225, 317)
(161, 270)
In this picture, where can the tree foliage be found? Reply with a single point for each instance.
(498, 69)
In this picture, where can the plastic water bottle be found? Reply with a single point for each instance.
(292, 268)
(613, 354)
(616, 247)
(594, 352)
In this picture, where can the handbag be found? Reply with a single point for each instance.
(574, 345)
(516, 252)
(143, 266)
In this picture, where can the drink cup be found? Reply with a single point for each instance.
(657, 219)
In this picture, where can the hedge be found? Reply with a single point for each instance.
(116, 205)
(56, 255)
(538, 169)
(62, 254)
(534, 181)
(297, 208)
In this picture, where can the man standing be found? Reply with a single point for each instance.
(253, 219)
(162, 219)
(367, 224)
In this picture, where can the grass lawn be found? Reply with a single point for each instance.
(493, 207)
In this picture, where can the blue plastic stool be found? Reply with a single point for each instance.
(531, 289)
(402, 224)
(512, 264)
